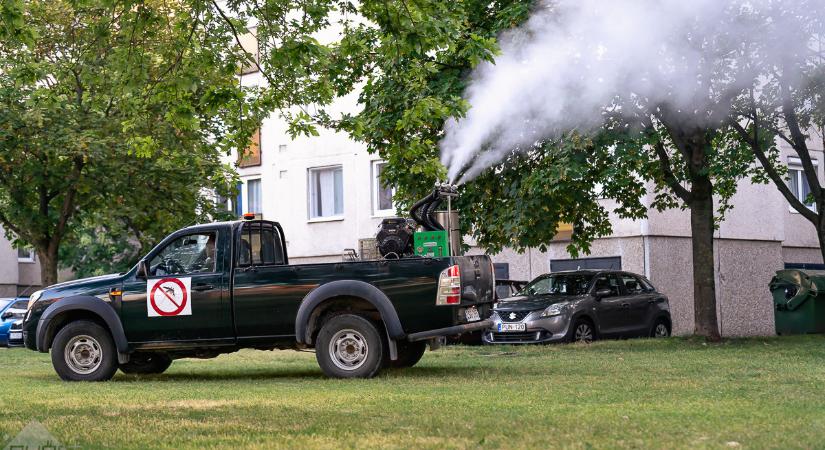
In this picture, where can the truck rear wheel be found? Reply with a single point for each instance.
(146, 363)
(84, 351)
(349, 346)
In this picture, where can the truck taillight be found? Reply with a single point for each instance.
(449, 286)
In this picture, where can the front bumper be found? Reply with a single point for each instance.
(538, 330)
(16, 335)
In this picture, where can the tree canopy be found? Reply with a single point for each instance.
(114, 118)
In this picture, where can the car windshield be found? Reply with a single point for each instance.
(560, 284)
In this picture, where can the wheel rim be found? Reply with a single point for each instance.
(348, 349)
(584, 333)
(83, 354)
(661, 330)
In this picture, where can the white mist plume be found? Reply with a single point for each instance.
(575, 58)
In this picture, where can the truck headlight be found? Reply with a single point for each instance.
(34, 298)
(553, 310)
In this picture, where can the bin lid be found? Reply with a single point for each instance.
(809, 284)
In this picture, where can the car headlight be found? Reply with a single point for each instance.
(34, 298)
(553, 310)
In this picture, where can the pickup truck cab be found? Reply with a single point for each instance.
(216, 288)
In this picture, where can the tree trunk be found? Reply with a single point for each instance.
(48, 266)
(704, 282)
(820, 233)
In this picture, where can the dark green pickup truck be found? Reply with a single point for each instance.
(217, 288)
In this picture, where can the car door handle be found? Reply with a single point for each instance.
(203, 287)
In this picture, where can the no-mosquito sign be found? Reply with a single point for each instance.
(169, 297)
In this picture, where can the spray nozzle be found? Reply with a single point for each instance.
(446, 190)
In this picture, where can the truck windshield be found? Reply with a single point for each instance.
(561, 284)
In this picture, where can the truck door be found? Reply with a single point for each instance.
(184, 296)
(265, 292)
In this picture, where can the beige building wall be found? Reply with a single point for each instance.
(17, 277)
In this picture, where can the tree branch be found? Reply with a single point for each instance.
(667, 171)
(772, 172)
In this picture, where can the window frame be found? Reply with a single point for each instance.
(375, 187)
(310, 188)
(32, 258)
(247, 192)
(796, 170)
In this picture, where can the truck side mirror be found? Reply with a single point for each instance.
(142, 269)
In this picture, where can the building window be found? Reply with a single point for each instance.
(326, 192)
(282, 148)
(381, 195)
(799, 184)
(282, 174)
(25, 255)
(253, 196)
(604, 263)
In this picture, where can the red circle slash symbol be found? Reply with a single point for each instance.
(159, 286)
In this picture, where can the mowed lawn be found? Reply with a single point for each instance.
(675, 393)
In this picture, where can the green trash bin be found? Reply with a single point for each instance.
(799, 301)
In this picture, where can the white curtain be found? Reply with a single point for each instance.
(327, 193)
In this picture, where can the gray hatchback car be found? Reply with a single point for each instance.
(581, 306)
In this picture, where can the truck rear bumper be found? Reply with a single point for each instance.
(450, 331)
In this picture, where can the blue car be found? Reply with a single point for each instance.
(11, 310)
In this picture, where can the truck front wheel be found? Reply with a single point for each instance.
(349, 346)
(84, 351)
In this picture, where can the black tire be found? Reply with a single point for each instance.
(409, 353)
(660, 329)
(580, 332)
(349, 346)
(146, 363)
(84, 351)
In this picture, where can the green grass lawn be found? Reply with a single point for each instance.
(675, 393)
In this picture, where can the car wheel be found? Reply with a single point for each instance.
(84, 351)
(349, 346)
(146, 363)
(660, 329)
(409, 353)
(583, 331)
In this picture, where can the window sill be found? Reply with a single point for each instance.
(326, 219)
(793, 210)
(383, 214)
(25, 261)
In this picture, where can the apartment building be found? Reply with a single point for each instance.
(19, 270)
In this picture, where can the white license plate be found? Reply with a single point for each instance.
(15, 335)
(471, 314)
(512, 327)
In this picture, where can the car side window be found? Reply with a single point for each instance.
(193, 253)
(260, 244)
(632, 285)
(646, 285)
(607, 282)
